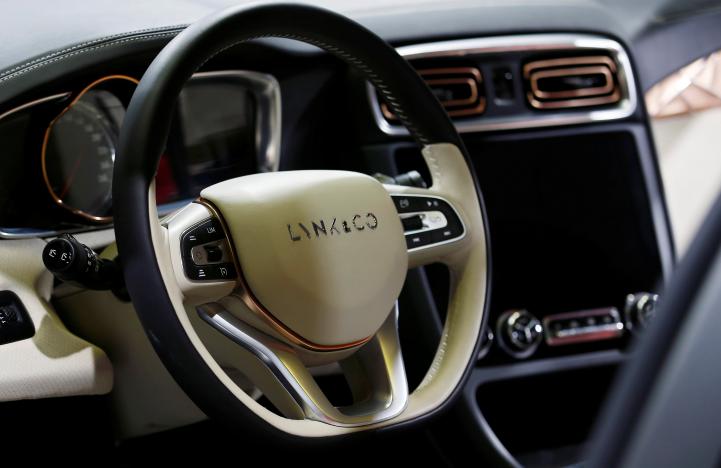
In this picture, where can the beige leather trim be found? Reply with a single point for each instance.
(54, 362)
(467, 260)
(145, 397)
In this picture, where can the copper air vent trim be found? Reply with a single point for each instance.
(470, 76)
(608, 93)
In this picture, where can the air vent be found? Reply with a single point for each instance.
(572, 82)
(459, 89)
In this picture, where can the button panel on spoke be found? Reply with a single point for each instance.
(206, 254)
(427, 220)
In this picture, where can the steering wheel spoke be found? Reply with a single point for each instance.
(375, 373)
(440, 222)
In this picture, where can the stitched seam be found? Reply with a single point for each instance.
(87, 43)
(83, 51)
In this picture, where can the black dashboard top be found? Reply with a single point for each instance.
(398, 21)
(394, 20)
(640, 25)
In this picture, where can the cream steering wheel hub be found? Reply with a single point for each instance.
(332, 239)
(300, 268)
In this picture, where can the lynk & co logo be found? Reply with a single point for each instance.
(336, 227)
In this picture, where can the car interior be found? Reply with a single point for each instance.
(457, 233)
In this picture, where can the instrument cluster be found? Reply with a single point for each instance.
(60, 150)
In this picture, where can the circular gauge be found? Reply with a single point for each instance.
(79, 151)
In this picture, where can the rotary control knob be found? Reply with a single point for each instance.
(639, 310)
(519, 333)
(76, 263)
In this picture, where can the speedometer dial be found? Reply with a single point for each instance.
(79, 152)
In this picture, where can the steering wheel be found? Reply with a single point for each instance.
(299, 268)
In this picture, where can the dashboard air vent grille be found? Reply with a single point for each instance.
(572, 82)
(459, 89)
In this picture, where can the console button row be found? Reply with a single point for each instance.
(205, 252)
(583, 326)
(517, 331)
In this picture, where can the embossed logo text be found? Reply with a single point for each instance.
(318, 228)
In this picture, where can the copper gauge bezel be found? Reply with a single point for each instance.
(57, 199)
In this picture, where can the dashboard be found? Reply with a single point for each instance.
(549, 104)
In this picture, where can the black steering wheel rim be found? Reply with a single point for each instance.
(145, 131)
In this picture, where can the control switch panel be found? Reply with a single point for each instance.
(427, 220)
(206, 253)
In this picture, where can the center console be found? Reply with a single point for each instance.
(572, 234)
(579, 236)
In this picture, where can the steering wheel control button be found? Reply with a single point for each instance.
(206, 255)
(419, 239)
(15, 323)
(427, 220)
(639, 310)
(412, 223)
(583, 326)
(207, 231)
(519, 333)
(202, 233)
(442, 235)
(220, 271)
(213, 252)
(223, 271)
(409, 204)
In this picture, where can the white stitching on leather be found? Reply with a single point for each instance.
(87, 43)
(82, 51)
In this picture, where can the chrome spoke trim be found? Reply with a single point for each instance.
(378, 364)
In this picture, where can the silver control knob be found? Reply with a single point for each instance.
(639, 310)
(519, 333)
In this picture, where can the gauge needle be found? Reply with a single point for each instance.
(71, 176)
